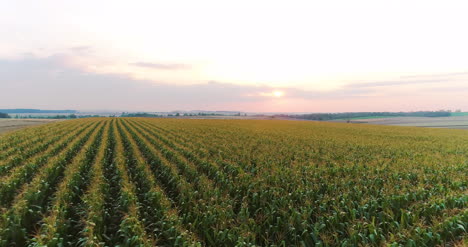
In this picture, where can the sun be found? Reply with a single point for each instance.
(278, 93)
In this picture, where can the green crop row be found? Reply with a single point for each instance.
(172, 182)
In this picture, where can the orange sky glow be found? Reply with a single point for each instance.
(268, 56)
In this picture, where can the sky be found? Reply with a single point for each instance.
(252, 56)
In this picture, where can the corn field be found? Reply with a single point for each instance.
(174, 182)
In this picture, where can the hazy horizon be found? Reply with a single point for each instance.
(262, 56)
(86, 111)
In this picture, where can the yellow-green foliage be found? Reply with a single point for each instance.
(173, 182)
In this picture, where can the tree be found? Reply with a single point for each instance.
(4, 115)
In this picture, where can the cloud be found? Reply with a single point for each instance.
(84, 49)
(392, 83)
(53, 82)
(423, 80)
(442, 75)
(161, 66)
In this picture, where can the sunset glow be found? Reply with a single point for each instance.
(329, 55)
(278, 93)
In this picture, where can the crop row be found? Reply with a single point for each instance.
(166, 182)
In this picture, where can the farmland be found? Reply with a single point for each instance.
(457, 122)
(8, 124)
(182, 182)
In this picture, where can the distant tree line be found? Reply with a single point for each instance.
(70, 116)
(23, 111)
(177, 114)
(349, 115)
(4, 115)
(140, 114)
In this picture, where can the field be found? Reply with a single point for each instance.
(174, 182)
(459, 114)
(457, 122)
(8, 124)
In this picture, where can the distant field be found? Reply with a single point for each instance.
(453, 114)
(460, 122)
(8, 124)
(186, 182)
(458, 114)
(370, 117)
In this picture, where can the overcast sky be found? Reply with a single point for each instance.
(275, 56)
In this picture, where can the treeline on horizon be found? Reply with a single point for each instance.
(308, 116)
(350, 115)
(22, 111)
(70, 116)
(177, 114)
